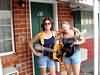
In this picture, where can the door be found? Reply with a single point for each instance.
(38, 11)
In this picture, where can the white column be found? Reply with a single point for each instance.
(99, 40)
(96, 37)
(55, 16)
(1, 68)
(55, 10)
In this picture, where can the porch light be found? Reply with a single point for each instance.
(21, 3)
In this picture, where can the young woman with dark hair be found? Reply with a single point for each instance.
(48, 40)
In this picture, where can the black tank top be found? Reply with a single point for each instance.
(68, 44)
(48, 43)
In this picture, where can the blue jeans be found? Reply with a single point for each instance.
(74, 59)
(46, 62)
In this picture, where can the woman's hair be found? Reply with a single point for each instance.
(68, 23)
(43, 22)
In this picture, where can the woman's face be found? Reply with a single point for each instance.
(47, 25)
(66, 26)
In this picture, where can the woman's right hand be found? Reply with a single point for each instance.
(37, 53)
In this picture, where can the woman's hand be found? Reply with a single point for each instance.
(79, 42)
(76, 43)
(37, 53)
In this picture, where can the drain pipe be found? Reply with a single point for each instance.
(1, 68)
(95, 10)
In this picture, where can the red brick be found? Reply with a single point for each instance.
(22, 27)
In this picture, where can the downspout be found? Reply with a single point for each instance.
(95, 10)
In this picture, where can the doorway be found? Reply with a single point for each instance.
(38, 12)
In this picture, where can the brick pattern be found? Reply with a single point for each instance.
(21, 26)
(64, 12)
(23, 55)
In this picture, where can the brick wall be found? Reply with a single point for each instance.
(21, 26)
(64, 12)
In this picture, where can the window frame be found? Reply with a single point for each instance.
(12, 33)
(86, 19)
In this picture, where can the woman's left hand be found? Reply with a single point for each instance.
(76, 42)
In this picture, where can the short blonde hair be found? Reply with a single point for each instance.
(68, 23)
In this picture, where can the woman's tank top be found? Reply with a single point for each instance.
(68, 44)
(48, 43)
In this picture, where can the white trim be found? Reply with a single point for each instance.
(96, 11)
(31, 34)
(30, 18)
(54, 14)
(1, 67)
(12, 32)
(43, 1)
(7, 53)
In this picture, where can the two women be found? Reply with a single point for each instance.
(70, 39)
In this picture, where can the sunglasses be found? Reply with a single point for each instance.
(47, 23)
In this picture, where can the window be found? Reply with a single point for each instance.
(87, 23)
(6, 28)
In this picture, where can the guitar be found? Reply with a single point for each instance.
(69, 48)
(54, 53)
(40, 48)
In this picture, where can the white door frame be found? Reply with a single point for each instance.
(96, 42)
(54, 2)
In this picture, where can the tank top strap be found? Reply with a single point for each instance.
(53, 34)
(41, 37)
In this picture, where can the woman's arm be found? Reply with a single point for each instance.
(81, 40)
(58, 35)
(31, 42)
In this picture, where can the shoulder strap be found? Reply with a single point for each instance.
(77, 33)
(53, 34)
(41, 37)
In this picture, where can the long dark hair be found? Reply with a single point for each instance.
(43, 23)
